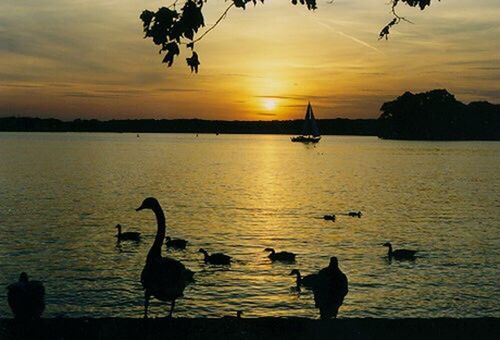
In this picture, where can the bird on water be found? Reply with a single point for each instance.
(307, 281)
(127, 236)
(26, 298)
(175, 243)
(162, 277)
(283, 256)
(399, 254)
(217, 258)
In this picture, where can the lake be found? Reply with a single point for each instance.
(61, 195)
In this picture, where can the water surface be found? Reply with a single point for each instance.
(61, 194)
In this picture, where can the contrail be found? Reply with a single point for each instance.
(359, 41)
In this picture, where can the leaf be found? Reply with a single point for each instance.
(172, 50)
(193, 62)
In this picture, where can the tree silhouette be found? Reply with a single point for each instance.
(178, 24)
(437, 115)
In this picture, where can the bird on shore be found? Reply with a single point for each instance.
(217, 258)
(175, 243)
(330, 289)
(26, 298)
(283, 256)
(307, 281)
(400, 254)
(162, 277)
(127, 236)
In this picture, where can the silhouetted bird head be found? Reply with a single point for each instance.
(118, 226)
(149, 203)
(201, 250)
(387, 244)
(239, 313)
(168, 238)
(294, 272)
(23, 277)
(334, 263)
(269, 249)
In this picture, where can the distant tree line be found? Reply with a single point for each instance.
(437, 115)
(434, 115)
(338, 126)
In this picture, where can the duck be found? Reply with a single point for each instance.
(283, 256)
(400, 254)
(307, 281)
(217, 258)
(355, 214)
(175, 243)
(26, 298)
(163, 278)
(329, 218)
(127, 236)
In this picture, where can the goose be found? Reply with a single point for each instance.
(162, 277)
(400, 254)
(175, 243)
(330, 289)
(283, 256)
(307, 281)
(26, 298)
(217, 258)
(127, 236)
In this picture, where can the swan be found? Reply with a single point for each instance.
(283, 256)
(307, 281)
(26, 298)
(400, 254)
(127, 236)
(162, 277)
(175, 243)
(217, 258)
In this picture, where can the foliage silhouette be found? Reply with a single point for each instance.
(175, 25)
(437, 115)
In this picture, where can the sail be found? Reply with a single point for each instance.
(310, 126)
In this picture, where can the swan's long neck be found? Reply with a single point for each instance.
(155, 250)
(389, 252)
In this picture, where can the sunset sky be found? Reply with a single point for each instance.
(88, 59)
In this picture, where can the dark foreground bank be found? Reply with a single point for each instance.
(255, 329)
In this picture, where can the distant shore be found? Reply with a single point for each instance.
(258, 328)
(339, 126)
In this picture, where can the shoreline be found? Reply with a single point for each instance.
(251, 328)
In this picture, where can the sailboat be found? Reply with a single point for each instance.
(310, 130)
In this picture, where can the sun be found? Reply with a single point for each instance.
(269, 104)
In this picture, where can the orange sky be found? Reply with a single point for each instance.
(76, 58)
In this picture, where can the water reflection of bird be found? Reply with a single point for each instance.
(307, 281)
(400, 254)
(283, 256)
(162, 277)
(26, 298)
(330, 289)
(175, 243)
(217, 258)
(127, 236)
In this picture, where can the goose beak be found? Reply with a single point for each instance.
(140, 208)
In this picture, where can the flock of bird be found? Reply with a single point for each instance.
(165, 278)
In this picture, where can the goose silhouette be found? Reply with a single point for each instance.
(162, 277)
